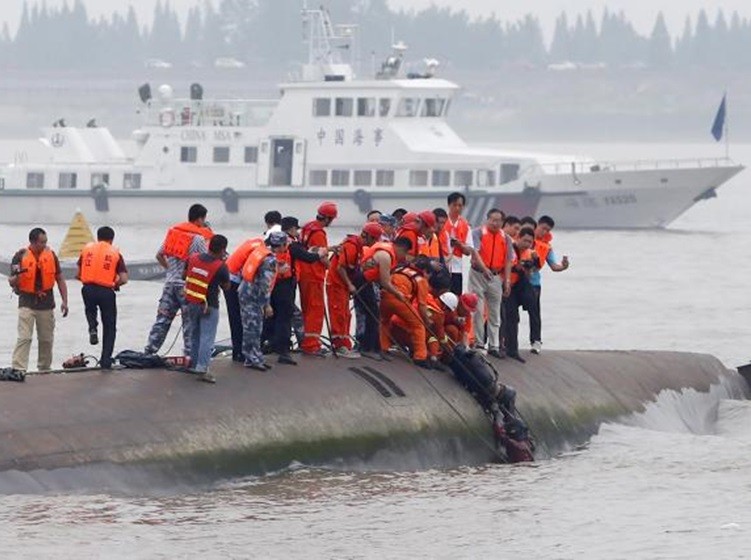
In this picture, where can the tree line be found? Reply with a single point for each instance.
(267, 34)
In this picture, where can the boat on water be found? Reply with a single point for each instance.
(377, 142)
(78, 235)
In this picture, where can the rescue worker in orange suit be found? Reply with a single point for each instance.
(437, 245)
(204, 275)
(259, 276)
(461, 329)
(102, 270)
(460, 239)
(182, 240)
(312, 277)
(340, 285)
(441, 309)
(278, 328)
(34, 272)
(418, 228)
(521, 293)
(409, 289)
(374, 275)
(235, 264)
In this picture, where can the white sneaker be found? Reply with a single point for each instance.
(347, 353)
(536, 347)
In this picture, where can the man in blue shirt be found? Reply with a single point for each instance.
(543, 251)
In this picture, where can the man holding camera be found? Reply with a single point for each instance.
(34, 273)
(522, 293)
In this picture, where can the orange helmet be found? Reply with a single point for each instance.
(410, 218)
(373, 230)
(428, 218)
(469, 301)
(328, 210)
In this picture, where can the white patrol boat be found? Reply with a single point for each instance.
(375, 143)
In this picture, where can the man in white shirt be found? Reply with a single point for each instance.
(460, 237)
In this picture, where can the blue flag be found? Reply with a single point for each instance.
(718, 128)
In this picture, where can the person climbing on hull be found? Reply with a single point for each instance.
(498, 400)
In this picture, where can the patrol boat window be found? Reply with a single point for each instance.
(509, 172)
(363, 178)
(251, 154)
(408, 107)
(35, 180)
(486, 178)
(432, 107)
(188, 154)
(441, 178)
(366, 106)
(67, 181)
(318, 177)
(343, 106)
(221, 154)
(418, 178)
(339, 177)
(463, 178)
(100, 179)
(384, 178)
(322, 107)
(384, 107)
(132, 181)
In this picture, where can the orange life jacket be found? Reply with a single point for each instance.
(351, 239)
(253, 263)
(412, 232)
(371, 273)
(99, 264)
(236, 260)
(44, 265)
(459, 231)
(493, 249)
(282, 259)
(180, 236)
(543, 250)
(412, 274)
(198, 276)
(525, 255)
(437, 247)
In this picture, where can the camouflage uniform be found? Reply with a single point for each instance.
(254, 296)
(173, 300)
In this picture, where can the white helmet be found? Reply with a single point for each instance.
(450, 300)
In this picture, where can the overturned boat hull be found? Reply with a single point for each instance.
(378, 414)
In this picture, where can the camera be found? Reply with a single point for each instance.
(528, 264)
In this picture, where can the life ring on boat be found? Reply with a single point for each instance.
(231, 200)
(167, 118)
(363, 200)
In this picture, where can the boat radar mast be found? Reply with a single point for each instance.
(327, 45)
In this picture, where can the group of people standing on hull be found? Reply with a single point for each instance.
(402, 271)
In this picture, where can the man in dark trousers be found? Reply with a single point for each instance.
(101, 270)
(283, 294)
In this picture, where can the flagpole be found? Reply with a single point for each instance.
(727, 129)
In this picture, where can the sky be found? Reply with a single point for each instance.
(641, 12)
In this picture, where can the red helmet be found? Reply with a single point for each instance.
(469, 301)
(428, 218)
(328, 210)
(373, 230)
(410, 218)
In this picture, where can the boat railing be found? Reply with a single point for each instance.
(581, 167)
(211, 112)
